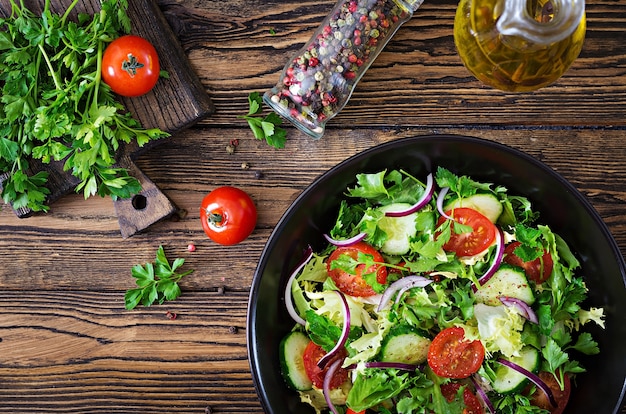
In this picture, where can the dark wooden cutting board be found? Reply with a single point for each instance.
(173, 105)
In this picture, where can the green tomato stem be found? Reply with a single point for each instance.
(215, 218)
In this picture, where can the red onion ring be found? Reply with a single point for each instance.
(344, 333)
(425, 199)
(403, 285)
(526, 311)
(497, 260)
(288, 301)
(346, 242)
(440, 198)
(326, 385)
(532, 377)
(483, 395)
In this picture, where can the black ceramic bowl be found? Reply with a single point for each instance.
(562, 207)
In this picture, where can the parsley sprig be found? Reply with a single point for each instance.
(55, 107)
(268, 127)
(157, 282)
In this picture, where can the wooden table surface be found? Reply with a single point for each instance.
(66, 342)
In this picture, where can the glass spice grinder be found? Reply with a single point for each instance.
(318, 81)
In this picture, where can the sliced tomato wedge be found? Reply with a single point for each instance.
(452, 356)
(465, 244)
(312, 354)
(471, 401)
(354, 284)
(538, 270)
(561, 396)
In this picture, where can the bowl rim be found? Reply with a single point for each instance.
(385, 146)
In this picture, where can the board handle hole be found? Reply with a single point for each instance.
(139, 202)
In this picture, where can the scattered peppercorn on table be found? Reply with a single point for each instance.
(67, 342)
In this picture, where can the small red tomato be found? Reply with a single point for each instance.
(469, 244)
(471, 401)
(452, 356)
(354, 284)
(130, 66)
(539, 270)
(561, 396)
(228, 215)
(312, 354)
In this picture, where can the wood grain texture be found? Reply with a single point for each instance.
(68, 345)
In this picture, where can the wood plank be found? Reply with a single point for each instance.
(81, 352)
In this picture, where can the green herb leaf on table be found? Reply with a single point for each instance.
(268, 127)
(157, 282)
(54, 106)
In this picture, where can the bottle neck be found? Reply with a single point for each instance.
(550, 23)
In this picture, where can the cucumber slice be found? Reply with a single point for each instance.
(508, 380)
(292, 365)
(399, 229)
(507, 281)
(405, 345)
(485, 203)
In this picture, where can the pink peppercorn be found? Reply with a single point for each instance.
(313, 62)
(191, 247)
(352, 58)
(349, 75)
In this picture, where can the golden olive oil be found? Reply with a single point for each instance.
(512, 62)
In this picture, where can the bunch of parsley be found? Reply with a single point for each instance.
(55, 107)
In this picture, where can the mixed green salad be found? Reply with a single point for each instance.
(436, 296)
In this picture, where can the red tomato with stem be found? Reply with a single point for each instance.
(228, 215)
(471, 243)
(471, 401)
(354, 284)
(561, 396)
(538, 270)
(130, 66)
(452, 356)
(312, 354)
